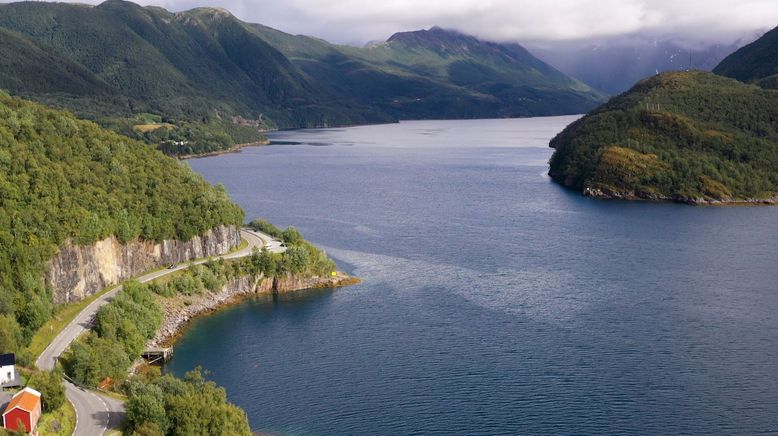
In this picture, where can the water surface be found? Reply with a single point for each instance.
(494, 301)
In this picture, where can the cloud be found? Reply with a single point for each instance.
(359, 21)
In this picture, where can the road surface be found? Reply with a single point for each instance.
(96, 413)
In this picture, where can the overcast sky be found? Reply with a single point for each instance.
(359, 21)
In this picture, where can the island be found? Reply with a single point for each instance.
(692, 137)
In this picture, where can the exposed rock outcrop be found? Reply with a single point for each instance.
(178, 312)
(77, 271)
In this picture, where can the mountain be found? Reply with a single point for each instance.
(755, 63)
(613, 65)
(687, 136)
(438, 73)
(67, 180)
(201, 80)
(122, 64)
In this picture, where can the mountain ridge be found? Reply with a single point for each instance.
(418, 68)
(754, 63)
(181, 79)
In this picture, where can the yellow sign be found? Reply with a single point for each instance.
(334, 273)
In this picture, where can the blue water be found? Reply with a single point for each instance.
(494, 301)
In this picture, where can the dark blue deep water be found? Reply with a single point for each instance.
(494, 301)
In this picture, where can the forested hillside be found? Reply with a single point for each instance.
(64, 179)
(438, 73)
(691, 137)
(201, 80)
(195, 81)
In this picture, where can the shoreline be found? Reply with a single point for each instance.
(237, 147)
(180, 312)
(232, 149)
(631, 196)
(601, 193)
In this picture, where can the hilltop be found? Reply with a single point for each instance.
(687, 136)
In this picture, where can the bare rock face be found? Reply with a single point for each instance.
(80, 271)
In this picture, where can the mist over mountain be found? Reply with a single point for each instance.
(614, 64)
(755, 63)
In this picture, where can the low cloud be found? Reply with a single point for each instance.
(359, 21)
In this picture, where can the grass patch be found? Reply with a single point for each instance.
(60, 422)
(146, 128)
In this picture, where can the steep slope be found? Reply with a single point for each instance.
(504, 78)
(28, 68)
(353, 78)
(691, 137)
(65, 180)
(756, 62)
(437, 73)
(201, 80)
(196, 70)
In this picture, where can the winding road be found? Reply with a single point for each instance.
(96, 413)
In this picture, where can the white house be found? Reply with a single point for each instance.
(7, 368)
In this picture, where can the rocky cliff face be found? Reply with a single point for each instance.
(79, 271)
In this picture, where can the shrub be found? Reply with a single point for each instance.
(266, 227)
(291, 235)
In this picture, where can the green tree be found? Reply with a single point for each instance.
(264, 262)
(147, 405)
(266, 227)
(10, 334)
(90, 360)
(148, 429)
(296, 259)
(51, 387)
(291, 235)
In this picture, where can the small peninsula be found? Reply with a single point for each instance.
(691, 137)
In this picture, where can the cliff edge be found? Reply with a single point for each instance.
(79, 271)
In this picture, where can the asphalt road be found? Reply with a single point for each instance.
(96, 413)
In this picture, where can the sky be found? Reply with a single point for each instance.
(356, 22)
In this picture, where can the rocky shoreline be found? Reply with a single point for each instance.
(180, 311)
(607, 194)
